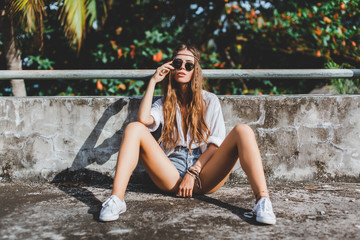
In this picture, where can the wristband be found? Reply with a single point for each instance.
(195, 176)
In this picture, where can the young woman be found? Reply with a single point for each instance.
(194, 156)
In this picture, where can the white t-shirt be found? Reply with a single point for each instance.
(213, 118)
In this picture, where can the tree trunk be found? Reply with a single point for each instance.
(12, 52)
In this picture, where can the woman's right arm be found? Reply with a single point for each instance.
(145, 105)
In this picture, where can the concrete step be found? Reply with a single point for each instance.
(301, 137)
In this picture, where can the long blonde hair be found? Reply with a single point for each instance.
(199, 131)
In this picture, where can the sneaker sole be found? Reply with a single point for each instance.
(114, 218)
(270, 221)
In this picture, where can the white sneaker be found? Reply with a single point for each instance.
(112, 208)
(263, 211)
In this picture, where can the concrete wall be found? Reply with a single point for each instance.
(301, 137)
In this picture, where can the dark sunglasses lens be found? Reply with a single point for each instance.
(177, 63)
(189, 66)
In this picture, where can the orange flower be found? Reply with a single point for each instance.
(158, 56)
(252, 13)
(327, 20)
(310, 15)
(99, 85)
(353, 43)
(343, 43)
(318, 32)
(260, 93)
(222, 65)
(342, 6)
(120, 53)
(132, 53)
(112, 42)
(121, 86)
(336, 16)
(333, 39)
(318, 53)
(216, 64)
(228, 11)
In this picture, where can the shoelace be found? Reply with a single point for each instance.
(106, 203)
(249, 214)
(253, 212)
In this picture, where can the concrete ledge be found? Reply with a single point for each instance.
(301, 137)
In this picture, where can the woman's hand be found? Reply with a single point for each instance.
(186, 186)
(162, 71)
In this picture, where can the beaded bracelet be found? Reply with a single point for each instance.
(196, 177)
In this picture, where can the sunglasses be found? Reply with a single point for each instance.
(177, 63)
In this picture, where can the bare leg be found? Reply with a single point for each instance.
(240, 143)
(138, 140)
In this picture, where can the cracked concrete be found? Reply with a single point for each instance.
(301, 137)
(70, 211)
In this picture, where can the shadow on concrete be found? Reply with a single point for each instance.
(88, 153)
(75, 184)
(234, 209)
(74, 180)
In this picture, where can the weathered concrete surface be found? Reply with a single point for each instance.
(301, 137)
(70, 211)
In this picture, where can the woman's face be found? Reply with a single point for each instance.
(182, 75)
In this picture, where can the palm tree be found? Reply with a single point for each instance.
(76, 17)
(11, 48)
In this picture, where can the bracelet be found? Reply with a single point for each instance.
(195, 170)
(196, 177)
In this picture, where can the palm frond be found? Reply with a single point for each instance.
(73, 18)
(96, 11)
(32, 13)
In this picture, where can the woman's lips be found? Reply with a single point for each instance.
(181, 74)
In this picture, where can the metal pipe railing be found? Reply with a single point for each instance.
(207, 73)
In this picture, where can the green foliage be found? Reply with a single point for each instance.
(343, 86)
(37, 62)
(140, 34)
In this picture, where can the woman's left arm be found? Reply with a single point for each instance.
(205, 156)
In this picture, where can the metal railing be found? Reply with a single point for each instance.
(207, 73)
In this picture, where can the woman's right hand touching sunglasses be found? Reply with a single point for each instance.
(162, 71)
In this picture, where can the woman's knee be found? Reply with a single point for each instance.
(243, 130)
(135, 128)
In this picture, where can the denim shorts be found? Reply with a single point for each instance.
(182, 159)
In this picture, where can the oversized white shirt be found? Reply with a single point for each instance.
(213, 118)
